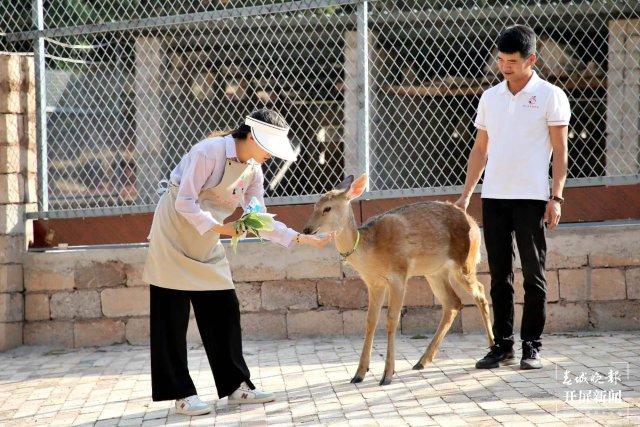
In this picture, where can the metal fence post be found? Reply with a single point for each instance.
(363, 88)
(41, 108)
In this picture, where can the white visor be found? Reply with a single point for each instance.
(272, 139)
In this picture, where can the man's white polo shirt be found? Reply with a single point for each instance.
(519, 142)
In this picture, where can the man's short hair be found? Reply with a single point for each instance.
(517, 38)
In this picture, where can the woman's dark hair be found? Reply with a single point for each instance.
(517, 38)
(271, 117)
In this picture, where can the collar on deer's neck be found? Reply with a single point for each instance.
(355, 246)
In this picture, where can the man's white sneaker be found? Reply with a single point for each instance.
(244, 394)
(192, 405)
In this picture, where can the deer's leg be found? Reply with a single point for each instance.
(376, 298)
(451, 306)
(396, 299)
(471, 283)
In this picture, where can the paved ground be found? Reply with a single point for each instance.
(111, 385)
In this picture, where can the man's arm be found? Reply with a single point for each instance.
(558, 135)
(475, 167)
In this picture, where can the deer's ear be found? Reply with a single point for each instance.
(346, 183)
(357, 187)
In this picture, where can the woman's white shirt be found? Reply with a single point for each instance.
(203, 168)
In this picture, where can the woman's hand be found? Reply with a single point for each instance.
(315, 241)
(228, 229)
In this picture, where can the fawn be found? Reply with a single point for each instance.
(432, 239)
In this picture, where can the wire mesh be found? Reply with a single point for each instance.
(131, 85)
(430, 66)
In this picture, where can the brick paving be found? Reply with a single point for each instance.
(110, 386)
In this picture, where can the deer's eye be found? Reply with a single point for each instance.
(327, 209)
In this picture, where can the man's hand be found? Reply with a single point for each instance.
(463, 202)
(552, 214)
(315, 241)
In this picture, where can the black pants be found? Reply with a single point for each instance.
(218, 318)
(502, 219)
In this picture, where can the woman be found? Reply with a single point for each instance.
(186, 262)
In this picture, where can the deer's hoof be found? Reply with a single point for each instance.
(385, 381)
(418, 366)
(357, 379)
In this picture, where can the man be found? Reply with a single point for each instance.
(520, 123)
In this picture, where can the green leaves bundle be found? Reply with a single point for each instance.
(254, 221)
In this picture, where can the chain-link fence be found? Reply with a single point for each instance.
(388, 87)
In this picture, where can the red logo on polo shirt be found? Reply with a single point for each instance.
(532, 103)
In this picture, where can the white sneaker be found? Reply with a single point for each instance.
(244, 394)
(192, 405)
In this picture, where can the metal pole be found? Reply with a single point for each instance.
(362, 67)
(41, 108)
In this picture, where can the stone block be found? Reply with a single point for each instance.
(249, 296)
(268, 263)
(36, 307)
(425, 320)
(119, 302)
(98, 333)
(75, 305)
(633, 283)
(11, 308)
(355, 321)
(625, 257)
(607, 284)
(12, 219)
(134, 275)
(137, 331)
(100, 275)
(615, 315)
(47, 280)
(347, 293)
(472, 320)
(264, 326)
(9, 127)
(567, 316)
(310, 263)
(12, 102)
(52, 333)
(11, 75)
(292, 295)
(11, 188)
(573, 285)
(11, 278)
(10, 335)
(314, 323)
(11, 249)
(418, 293)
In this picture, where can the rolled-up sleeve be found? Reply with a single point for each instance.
(480, 121)
(281, 234)
(194, 176)
(558, 108)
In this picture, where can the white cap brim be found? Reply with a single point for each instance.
(272, 139)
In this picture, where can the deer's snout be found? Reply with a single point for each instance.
(306, 230)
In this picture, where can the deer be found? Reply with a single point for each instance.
(437, 240)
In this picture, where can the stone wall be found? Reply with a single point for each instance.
(95, 297)
(17, 186)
